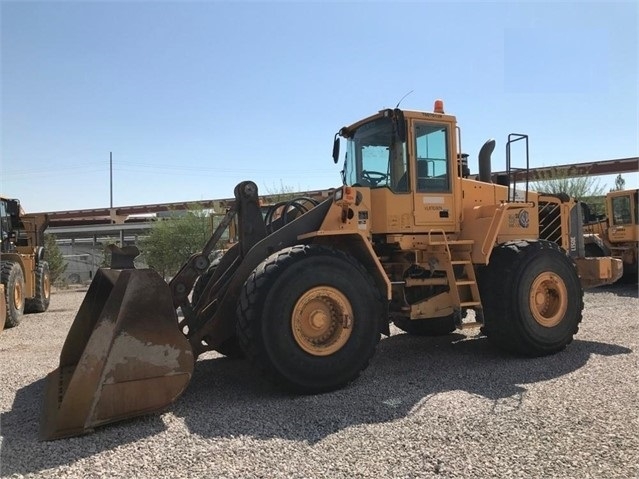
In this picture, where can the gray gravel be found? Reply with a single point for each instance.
(426, 407)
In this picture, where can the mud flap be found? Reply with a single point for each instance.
(124, 356)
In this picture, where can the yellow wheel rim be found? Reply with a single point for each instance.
(46, 286)
(322, 321)
(17, 296)
(548, 299)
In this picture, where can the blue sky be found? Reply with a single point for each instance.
(193, 97)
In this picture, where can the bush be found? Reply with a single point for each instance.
(173, 240)
(53, 255)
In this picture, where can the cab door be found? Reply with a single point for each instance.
(434, 201)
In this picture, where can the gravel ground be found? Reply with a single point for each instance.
(426, 407)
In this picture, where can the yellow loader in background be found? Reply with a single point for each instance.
(617, 233)
(24, 273)
(410, 237)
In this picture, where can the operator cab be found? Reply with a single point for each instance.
(9, 223)
(624, 208)
(376, 156)
(409, 160)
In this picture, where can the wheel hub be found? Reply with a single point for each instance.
(17, 296)
(322, 321)
(319, 319)
(47, 287)
(548, 299)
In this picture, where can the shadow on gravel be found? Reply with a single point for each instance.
(405, 371)
(227, 398)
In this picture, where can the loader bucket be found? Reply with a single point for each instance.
(124, 356)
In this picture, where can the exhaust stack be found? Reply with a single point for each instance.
(485, 171)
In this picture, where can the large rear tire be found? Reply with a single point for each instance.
(630, 273)
(532, 298)
(40, 302)
(230, 347)
(13, 280)
(309, 318)
(593, 250)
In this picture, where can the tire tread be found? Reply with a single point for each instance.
(494, 280)
(250, 307)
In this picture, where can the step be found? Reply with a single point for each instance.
(470, 304)
(465, 282)
(460, 261)
(451, 242)
(426, 282)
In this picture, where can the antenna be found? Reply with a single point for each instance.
(402, 99)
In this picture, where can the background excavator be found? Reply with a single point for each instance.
(307, 291)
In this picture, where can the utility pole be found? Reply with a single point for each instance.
(111, 176)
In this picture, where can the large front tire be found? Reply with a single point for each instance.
(309, 318)
(532, 298)
(13, 280)
(40, 302)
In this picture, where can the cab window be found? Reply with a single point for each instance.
(431, 148)
(376, 158)
(621, 210)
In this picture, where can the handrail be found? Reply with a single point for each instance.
(443, 233)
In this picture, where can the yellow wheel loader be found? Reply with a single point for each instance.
(617, 233)
(24, 273)
(410, 237)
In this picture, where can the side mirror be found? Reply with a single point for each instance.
(336, 148)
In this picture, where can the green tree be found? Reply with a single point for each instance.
(174, 239)
(53, 255)
(283, 192)
(557, 181)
